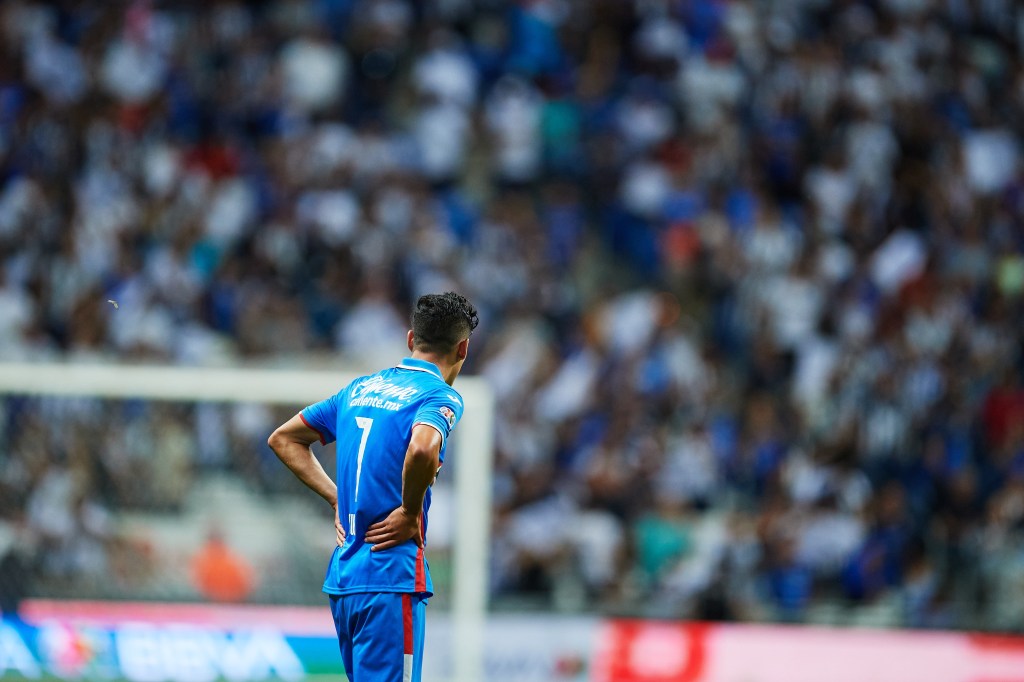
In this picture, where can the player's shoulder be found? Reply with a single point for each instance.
(451, 394)
(443, 393)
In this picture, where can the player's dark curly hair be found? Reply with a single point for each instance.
(441, 321)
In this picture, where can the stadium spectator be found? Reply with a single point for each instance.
(219, 574)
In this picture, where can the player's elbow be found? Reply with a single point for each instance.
(276, 442)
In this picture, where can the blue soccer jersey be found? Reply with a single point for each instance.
(372, 419)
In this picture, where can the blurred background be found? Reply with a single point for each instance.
(750, 275)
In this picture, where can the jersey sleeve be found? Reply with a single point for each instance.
(322, 418)
(441, 410)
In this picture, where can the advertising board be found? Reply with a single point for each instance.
(126, 642)
(202, 643)
(651, 651)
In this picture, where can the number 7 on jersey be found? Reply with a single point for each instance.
(364, 424)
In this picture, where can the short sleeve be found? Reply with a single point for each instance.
(322, 418)
(442, 410)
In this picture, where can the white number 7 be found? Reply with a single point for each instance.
(364, 424)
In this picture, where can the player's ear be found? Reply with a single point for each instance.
(462, 350)
(409, 339)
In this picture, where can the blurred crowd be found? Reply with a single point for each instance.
(74, 470)
(751, 274)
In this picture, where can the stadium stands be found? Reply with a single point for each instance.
(751, 278)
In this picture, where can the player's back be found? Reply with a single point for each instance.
(374, 427)
(374, 417)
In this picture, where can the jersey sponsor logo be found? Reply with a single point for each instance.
(448, 415)
(380, 393)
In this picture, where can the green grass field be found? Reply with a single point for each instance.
(50, 678)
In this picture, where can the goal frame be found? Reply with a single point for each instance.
(473, 439)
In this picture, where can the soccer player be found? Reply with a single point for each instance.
(391, 430)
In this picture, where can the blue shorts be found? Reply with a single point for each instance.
(380, 635)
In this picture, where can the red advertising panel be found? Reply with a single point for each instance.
(639, 651)
(650, 651)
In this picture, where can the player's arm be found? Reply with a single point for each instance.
(291, 443)
(418, 472)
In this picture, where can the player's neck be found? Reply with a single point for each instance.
(448, 370)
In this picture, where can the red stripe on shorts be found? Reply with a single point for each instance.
(407, 622)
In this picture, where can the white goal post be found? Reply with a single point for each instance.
(473, 437)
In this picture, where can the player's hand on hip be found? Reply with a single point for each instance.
(339, 530)
(400, 526)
